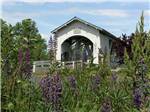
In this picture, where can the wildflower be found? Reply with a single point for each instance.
(52, 91)
(45, 84)
(20, 56)
(27, 56)
(106, 106)
(95, 82)
(142, 69)
(56, 88)
(142, 66)
(141, 61)
(137, 98)
(72, 82)
(50, 43)
(27, 69)
(73, 85)
(114, 76)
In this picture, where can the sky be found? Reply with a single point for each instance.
(115, 16)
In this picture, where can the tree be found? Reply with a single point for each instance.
(28, 36)
(22, 36)
(7, 47)
(122, 43)
(137, 65)
(140, 48)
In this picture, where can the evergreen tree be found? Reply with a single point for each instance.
(140, 47)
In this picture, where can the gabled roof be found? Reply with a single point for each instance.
(85, 22)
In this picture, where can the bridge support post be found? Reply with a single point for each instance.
(73, 66)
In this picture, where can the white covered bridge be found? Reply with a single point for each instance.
(80, 40)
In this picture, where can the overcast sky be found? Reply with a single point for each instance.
(115, 16)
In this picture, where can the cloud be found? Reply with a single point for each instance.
(81, 1)
(108, 12)
(147, 12)
(19, 14)
(45, 37)
(96, 12)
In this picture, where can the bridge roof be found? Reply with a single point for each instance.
(103, 31)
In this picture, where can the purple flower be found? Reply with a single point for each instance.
(73, 85)
(27, 68)
(52, 91)
(137, 97)
(141, 61)
(95, 82)
(142, 69)
(20, 56)
(45, 84)
(27, 56)
(72, 82)
(50, 43)
(114, 76)
(106, 106)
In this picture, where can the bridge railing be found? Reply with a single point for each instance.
(74, 64)
(43, 66)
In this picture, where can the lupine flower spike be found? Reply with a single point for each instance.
(106, 106)
(52, 91)
(95, 82)
(27, 69)
(114, 76)
(20, 56)
(137, 98)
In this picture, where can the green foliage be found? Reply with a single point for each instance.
(22, 35)
(23, 97)
(19, 94)
(7, 47)
(140, 48)
(27, 36)
(138, 66)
